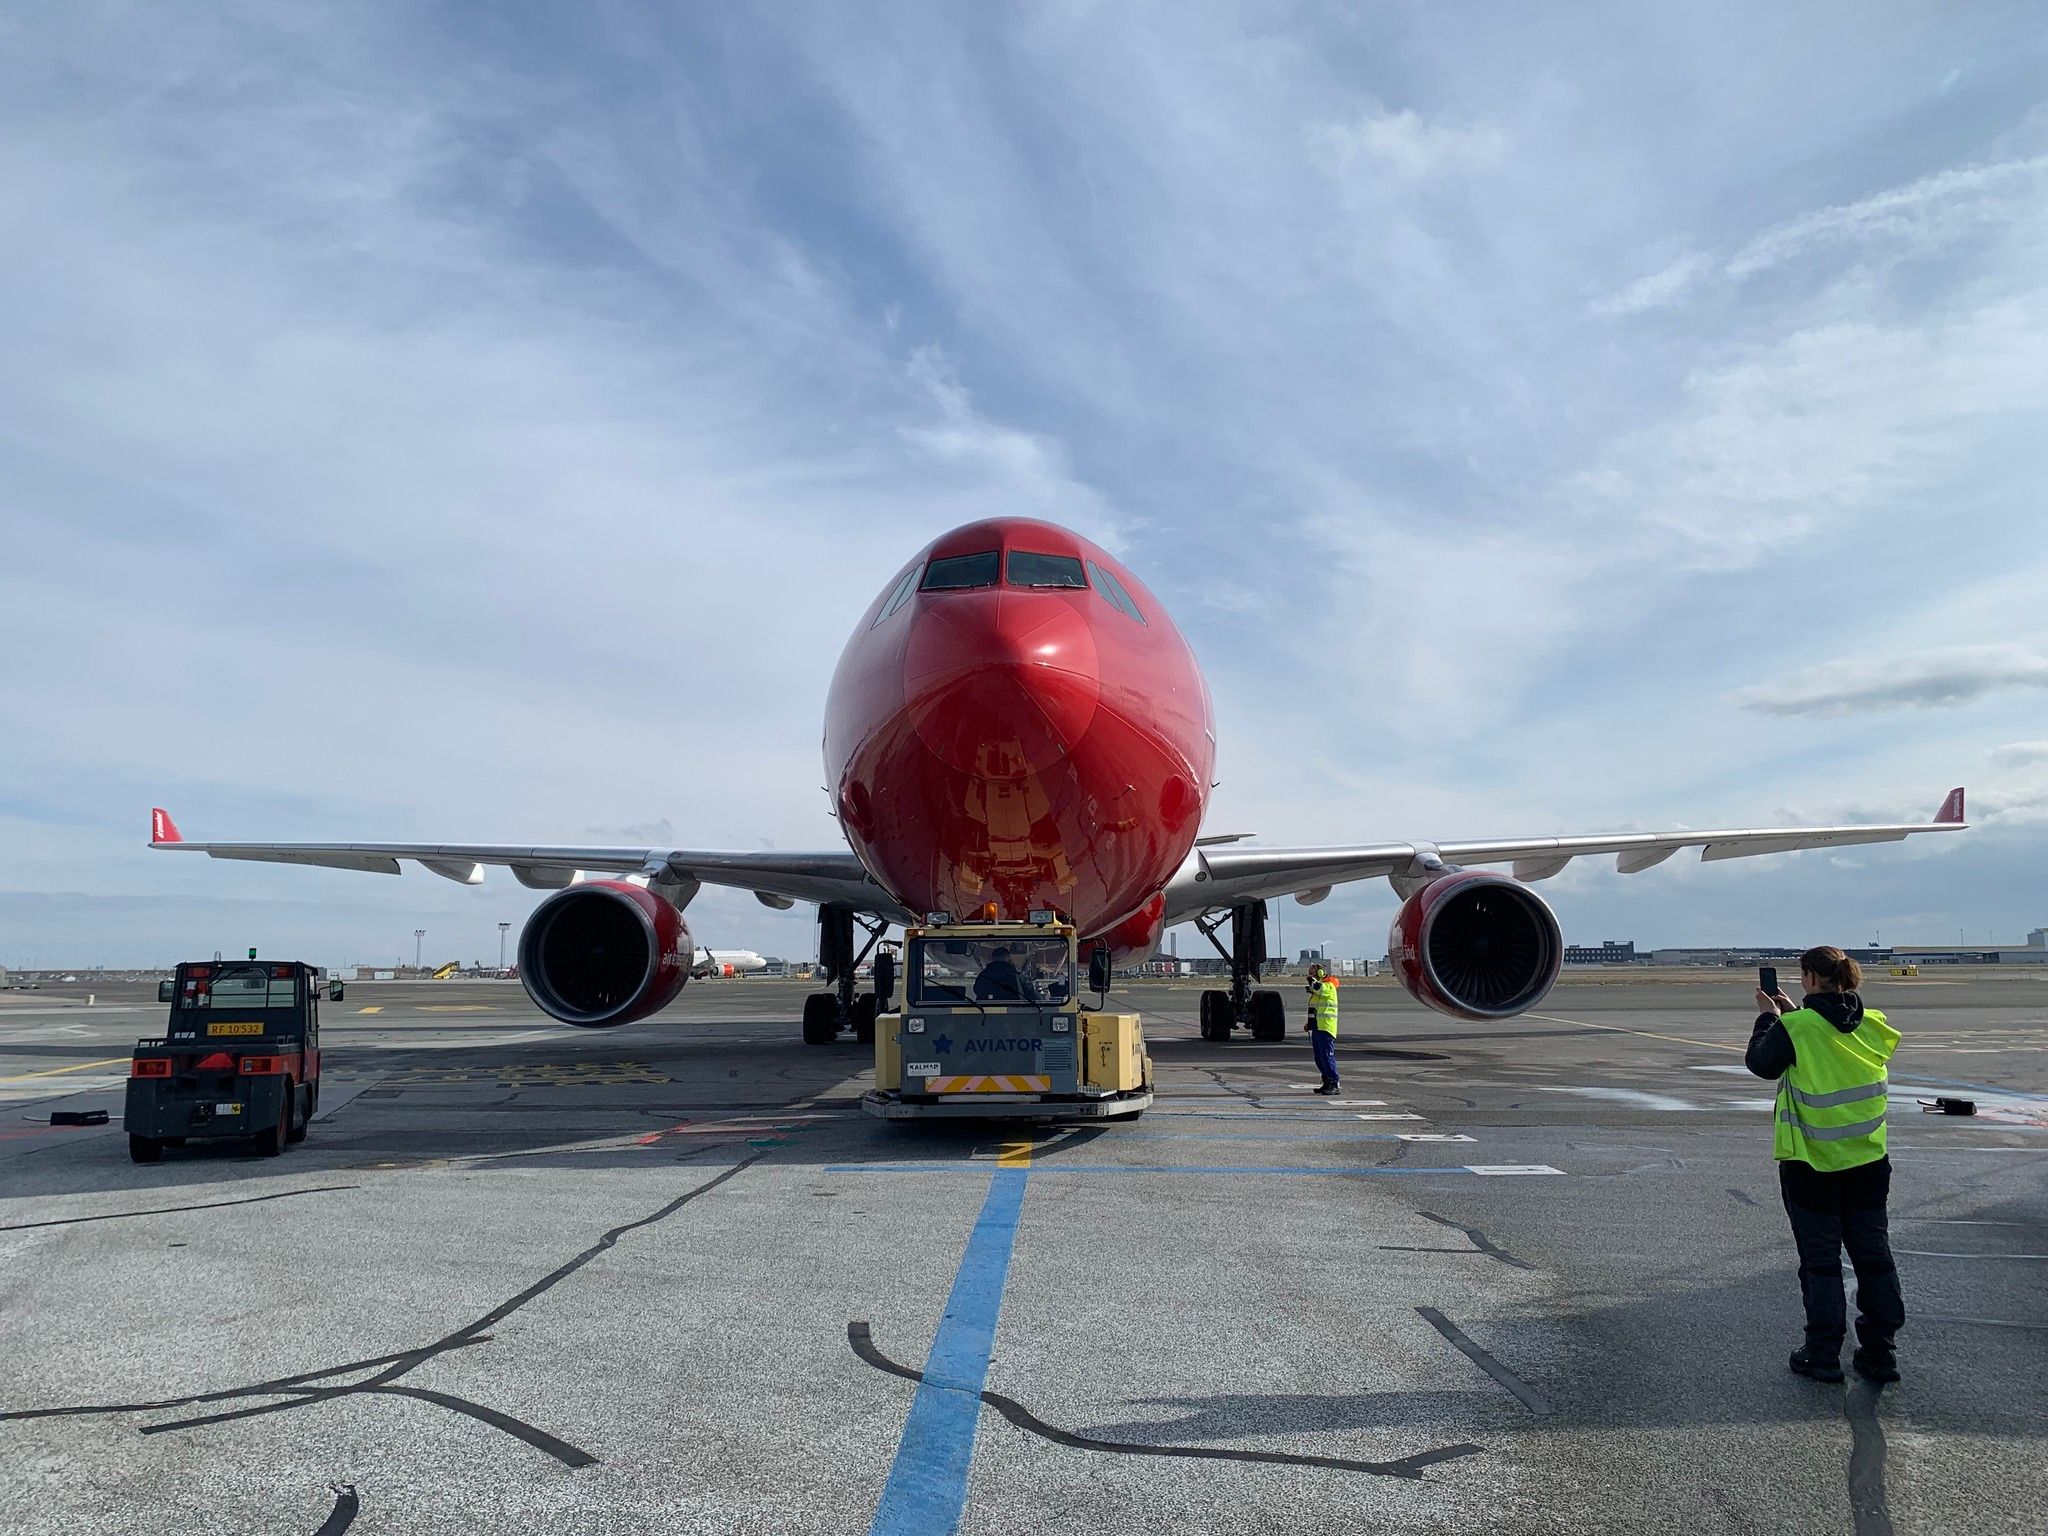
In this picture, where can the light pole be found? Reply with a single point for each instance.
(502, 930)
(418, 934)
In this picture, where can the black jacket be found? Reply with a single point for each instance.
(1770, 1043)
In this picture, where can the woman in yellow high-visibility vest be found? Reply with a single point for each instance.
(1828, 1056)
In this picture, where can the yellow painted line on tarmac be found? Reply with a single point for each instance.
(374, 1008)
(58, 1071)
(1014, 1154)
(1648, 1034)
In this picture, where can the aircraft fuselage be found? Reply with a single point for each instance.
(1033, 746)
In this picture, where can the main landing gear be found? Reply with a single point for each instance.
(1264, 1012)
(845, 1007)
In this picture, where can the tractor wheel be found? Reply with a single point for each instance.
(305, 1121)
(271, 1143)
(145, 1149)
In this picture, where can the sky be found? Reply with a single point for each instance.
(462, 423)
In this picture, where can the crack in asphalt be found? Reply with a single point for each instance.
(1480, 1241)
(170, 1210)
(343, 1515)
(1868, 1508)
(296, 1391)
(861, 1339)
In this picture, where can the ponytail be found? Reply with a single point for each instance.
(1835, 969)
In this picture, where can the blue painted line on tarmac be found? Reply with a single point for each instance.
(927, 1487)
(1053, 1170)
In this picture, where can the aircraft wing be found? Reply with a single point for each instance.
(777, 879)
(1218, 877)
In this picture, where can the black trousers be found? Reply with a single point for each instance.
(1830, 1212)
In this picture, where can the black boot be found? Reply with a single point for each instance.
(1878, 1365)
(1819, 1363)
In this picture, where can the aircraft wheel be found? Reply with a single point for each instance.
(1215, 1015)
(145, 1149)
(1269, 1017)
(271, 1143)
(821, 1019)
(865, 1007)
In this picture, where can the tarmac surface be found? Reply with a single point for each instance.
(525, 1278)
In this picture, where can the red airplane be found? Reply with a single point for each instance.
(1017, 724)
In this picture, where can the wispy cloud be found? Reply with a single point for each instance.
(1411, 146)
(1015, 471)
(1920, 216)
(1929, 680)
(1665, 286)
(1914, 219)
(2017, 754)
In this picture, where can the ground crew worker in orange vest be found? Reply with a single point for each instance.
(1828, 1055)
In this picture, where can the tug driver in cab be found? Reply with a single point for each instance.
(1000, 981)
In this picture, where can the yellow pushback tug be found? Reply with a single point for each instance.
(992, 1027)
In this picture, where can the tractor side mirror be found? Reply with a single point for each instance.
(167, 991)
(1098, 970)
(885, 981)
(334, 991)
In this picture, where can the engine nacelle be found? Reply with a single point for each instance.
(1476, 946)
(604, 952)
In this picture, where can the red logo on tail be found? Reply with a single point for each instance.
(162, 829)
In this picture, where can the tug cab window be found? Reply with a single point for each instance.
(956, 573)
(1029, 570)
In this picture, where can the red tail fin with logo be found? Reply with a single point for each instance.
(1951, 811)
(164, 830)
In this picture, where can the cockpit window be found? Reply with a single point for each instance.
(1113, 591)
(1030, 570)
(899, 595)
(956, 573)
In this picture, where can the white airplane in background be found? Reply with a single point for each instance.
(726, 962)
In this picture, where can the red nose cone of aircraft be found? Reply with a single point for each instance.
(1001, 685)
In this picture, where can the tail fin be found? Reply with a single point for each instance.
(164, 830)
(1951, 812)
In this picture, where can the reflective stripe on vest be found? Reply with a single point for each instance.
(1831, 1100)
(1323, 1001)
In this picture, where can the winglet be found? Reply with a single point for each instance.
(164, 830)
(1951, 812)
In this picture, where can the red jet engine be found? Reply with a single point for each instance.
(604, 952)
(1476, 946)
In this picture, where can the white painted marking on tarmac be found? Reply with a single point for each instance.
(1511, 1169)
(59, 1088)
(1430, 1136)
(1358, 1103)
(1386, 1117)
(1633, 1096)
